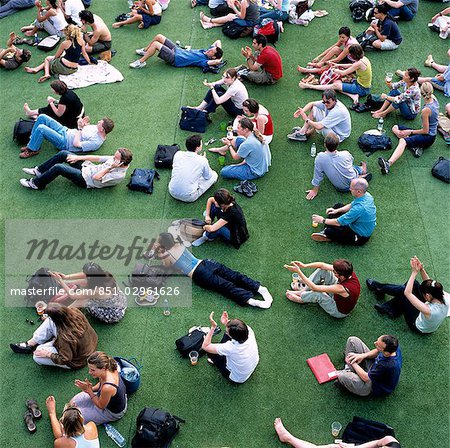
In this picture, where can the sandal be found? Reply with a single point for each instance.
(29, 421)
(147, 300)
(34, 408)
(243, 189)
(251, 185)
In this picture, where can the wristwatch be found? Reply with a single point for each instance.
(323, 221)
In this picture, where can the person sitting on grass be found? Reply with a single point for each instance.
(64, 339)
(71, 10)
(250, 148)
(404, 96)
(422, 304)
(70, 431)
(360, 86)
(373, 372)
(245, 14)
(325, 116)
(177, 56)
(440, 81)
(278, 10)
(265, 66)
(384, 30)
(236, 356)
(286, 437)
(66, 111)
(402, 9)
(335, 287)
(191, 173)
(230, 226)
(147, 13)
(353, 223)
(440, 22)
(83, 170)
(210, 274)
(105, 401)
(86, 138)
(231, 98)
(259, 115)
(337, 166)
(99, 39)
(338, 53)
(50, 18)
(65, 61)
(12, 57)
(217, 8)
(415, 139)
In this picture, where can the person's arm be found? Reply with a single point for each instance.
(360, 372)
(343, 54)
(54, 422)
(209, 203)
(84, 52)
(252, 64)
(350, 69)
(93, 38)
(106, 393)
(334, 221)
(324, 52)
(42, 18)
(62, 48)
(422, 271)
(241, 10)
(394, 4)
(425, 115)
(220, 99)
(261, 122)
(3, 53)
(216, 226)
(415, 302)
(207, 345)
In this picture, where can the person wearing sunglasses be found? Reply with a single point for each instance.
(70, 431)
(325, 116)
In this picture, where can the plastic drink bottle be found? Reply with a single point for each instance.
(115, 435)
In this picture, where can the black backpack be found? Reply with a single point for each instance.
(191, 341)
(22, 131)
(235, 31)
(441, 169)
(164, 155)
(145, 276)
(155, 428)
(193, 120)
(142, 180)
(358, 9)
(360, 430)
(370, 143)
(41, 286)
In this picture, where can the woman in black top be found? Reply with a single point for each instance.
(231, 225)
(66, 111)
(107, 400)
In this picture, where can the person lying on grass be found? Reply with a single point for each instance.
(210, 274)
(286, 437)
(335, 287)
(176, 56)
(236, 356)
(12, 57)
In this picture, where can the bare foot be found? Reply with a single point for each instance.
(283, 434)
(202, 16)
(303, 85)
(220, 151)
(302, 69)
(29, 33)
(377, 114)
(12, 35)
(117, 24)
(30, 70)
(364, 167)
(281, 26)
(44, 78)
(294, 296)
(27, 110)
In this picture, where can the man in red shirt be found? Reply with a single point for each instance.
(335, 287)
(265, 66)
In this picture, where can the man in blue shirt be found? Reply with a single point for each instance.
(86, 138)
(402, 9)
(177, 56)
(385, 29)
(373, 372)
(353, 223)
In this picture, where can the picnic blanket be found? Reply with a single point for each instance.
(88, 75)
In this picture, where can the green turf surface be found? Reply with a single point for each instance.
(412, 219)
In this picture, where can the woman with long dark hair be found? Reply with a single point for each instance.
(105, 401)
(423, 305)
(70, 431)
(98, 292)
(64, 339)
(210, 274)
(230, 226)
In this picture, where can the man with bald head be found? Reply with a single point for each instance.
(353, 223)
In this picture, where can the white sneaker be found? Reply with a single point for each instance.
(140, 51)
(31, 171)
(28, 183)
(138, 64)
(201, 240)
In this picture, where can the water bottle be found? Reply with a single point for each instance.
(313, 150)
(36, 39)
(166, 307)
(115, 435)
(129, 374)
(380, 124)
(130, 3)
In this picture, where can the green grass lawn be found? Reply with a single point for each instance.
(413, 208)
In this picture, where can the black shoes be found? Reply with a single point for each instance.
(416, 152)
(22, 347)
(383, 309)
(384, 165)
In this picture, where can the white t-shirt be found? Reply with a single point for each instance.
(72, 9)
(238, 93)
(242, 359)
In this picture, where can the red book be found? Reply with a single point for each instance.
(322, 367)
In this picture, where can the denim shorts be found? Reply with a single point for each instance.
(355, 88)
(419, 140)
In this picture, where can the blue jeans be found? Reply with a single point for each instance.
(210, 274)
(49, 129)
(56, 166)
(274, 14)
(228, 105)
(223, 232)
(403, 13)
(404, 109)
(241, 172)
